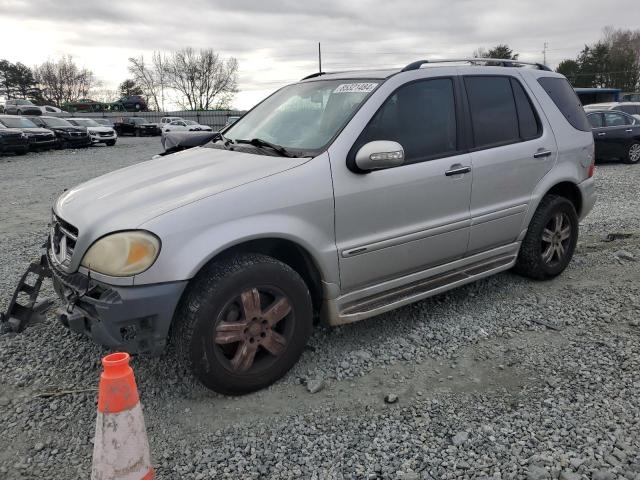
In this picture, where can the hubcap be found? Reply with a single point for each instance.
(248, 333)
(634, 152)
(555, 239)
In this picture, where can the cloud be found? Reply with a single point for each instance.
(276, 41)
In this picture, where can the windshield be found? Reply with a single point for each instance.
(23, 102)
(85, 122)
(190, 122)
(138, 120)
(56, 122)
(17, 122)
(303, 116)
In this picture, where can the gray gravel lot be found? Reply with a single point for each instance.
(505, 378)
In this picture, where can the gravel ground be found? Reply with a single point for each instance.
(504, 378)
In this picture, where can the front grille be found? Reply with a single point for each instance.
(105, 134)
(63, 240)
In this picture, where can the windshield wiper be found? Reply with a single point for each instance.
(220, 136)
(258, 142)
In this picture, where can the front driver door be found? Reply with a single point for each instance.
(396, 221)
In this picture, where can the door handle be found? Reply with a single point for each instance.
(601, 134)
(629, 130)
(542, 153)
(457, 170)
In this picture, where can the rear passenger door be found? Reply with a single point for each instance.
(512, 149)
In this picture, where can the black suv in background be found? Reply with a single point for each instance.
(137, 126)
(39, 138)
(21, 107)
(68, 135)
(13, 140)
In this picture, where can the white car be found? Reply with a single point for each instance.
(166, 120)
(52, 111)
(185, 126)
(98, 133)
(632, 108)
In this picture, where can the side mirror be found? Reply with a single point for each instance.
(379, 154)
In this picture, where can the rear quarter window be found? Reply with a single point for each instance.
(565, 98)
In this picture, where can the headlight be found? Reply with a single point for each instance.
(122, 254)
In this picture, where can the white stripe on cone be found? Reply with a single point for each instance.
(121, 447)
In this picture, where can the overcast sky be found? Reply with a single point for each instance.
(275, 41)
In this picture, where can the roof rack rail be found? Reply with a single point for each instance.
(501, 62)
(313, 75)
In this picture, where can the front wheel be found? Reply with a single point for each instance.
(633, 153)
(244, 323)
(551, 239)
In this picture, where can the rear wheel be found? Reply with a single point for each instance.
(551, 239)
(244, 323)
(633, 153)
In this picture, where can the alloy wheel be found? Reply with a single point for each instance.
(634, 153)
(253, 330)
(556, 237)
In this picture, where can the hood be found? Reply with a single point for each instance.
(68, 129)
(100, 129)
(10, 132)
(36, 130)
(126, 198)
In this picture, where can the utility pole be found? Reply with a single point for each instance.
(319, 59)
(544, 53)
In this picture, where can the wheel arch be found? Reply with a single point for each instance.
(285, 250)
(570, 191)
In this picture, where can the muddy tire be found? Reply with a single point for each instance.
(243, 323)
(551, 239)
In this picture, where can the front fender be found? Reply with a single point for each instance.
(296, 205)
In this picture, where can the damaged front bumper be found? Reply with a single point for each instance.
(135, 319)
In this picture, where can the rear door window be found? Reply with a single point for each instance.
(501, 111)
(565, 98)
(613, 119)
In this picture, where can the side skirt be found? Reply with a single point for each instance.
(353, 307)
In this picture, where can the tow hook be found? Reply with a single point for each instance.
(19, 315)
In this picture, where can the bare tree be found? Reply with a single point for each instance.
(63, 81)
(146, 76)
(201, 77)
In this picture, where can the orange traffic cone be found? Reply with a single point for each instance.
(121, 448)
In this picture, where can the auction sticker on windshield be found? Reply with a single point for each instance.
(355, 88)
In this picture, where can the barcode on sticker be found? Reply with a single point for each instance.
(355, 88)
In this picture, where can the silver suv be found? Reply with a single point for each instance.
(337, 198)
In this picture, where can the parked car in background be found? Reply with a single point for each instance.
(167, 120)
(231, 120)
(13, 140)
(630, 97)
(67, 134)
(98, 133)
(616, 135)
(107, 122)
(39, 138)
(52, 111)
(85, 105)
(132, 103)
(412, 186)
(137, 126)
(631, 108)
(185, 126)
(21, 107)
